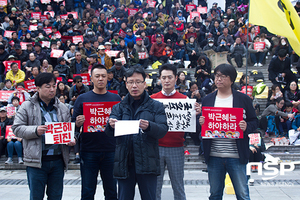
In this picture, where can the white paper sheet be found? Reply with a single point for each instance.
(126, 127)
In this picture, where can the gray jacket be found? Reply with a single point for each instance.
(27, 119)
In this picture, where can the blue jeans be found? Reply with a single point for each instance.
(18, 147)
(257, 57)
(52, 175)
(180, 55)
(146, 182)
(91, 163)
(217, 168)
(79, 10)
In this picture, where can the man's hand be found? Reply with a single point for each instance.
(41, 129)
(290, 115)
(112, 122)
(80, 120)
(74, 98)
(197, 108)
(144, 124)
(253, 150)
(1, 137)
(201, 120)
(243, 125)
(19, 139)
(72, 143)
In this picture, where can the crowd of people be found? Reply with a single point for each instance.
(118, 41)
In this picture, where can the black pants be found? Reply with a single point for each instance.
(3, 144)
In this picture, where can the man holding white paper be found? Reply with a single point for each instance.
(136, 155)
(45, 162)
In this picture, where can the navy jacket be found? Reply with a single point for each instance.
(240, 100)
(145, 144)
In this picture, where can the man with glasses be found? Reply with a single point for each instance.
(137, 156)
(77, 89)
(78, 64)
(97, 150)
(103, 58)
(228, 155)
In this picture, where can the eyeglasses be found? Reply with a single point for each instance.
(78, 81)
(136, 82)
(219, 76)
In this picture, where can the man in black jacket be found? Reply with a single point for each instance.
(3, 56)
(77, 64)
(137, 156)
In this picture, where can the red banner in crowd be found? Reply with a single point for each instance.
(222, 122)
(96, 115)
(113, 91)
(57, 34)
(56, 53)
(8, 34)
(36, 15)
(75, 14)
(63, 16)
(3, 3)
(143, 55)
(9, 133)
(77, 39)
(59, 132)
(85, 78)
(189, 8)
(30, 85)
(132, 11)
(123, 60)
(249, 90)
(151, 3)
(112, 53)
(202, 10)
(33, 27)
(7, 64)
(44, 17)
(51, 13)
(11, 110)
(259, 45)
(122, 33)
(58, 79)
(48, 30)
(194, 14)
(254, 138)
(4, 95)
(24, 45)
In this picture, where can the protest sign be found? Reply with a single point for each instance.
(57, 34)
(45, 1)
(85, 78)
(11, 110)
(194, 14)
(181, 114)
(143, 55)
(222, 122)
(122, 33)
(4, 95)
(113, 91)
(216, 58)
(24, 45)
(58, 79)
(126, 127)
(59, 132)
(123, 60)
(48, 30)
(36, 15)
(259, 45)
(3, 3)
(8, 63)
(51, 13)
(56, 53)
(8, 34)
(151, 3)
(132, 11)
(45, 44)
(254, 138)
(33, 27)
(189, 7)
(30, 85)
(249, 90)
(112, 53)
(96, 115)
(75, 14)
(9, 133)
(43, 18)
(202, 10)
(65, 17)
(77, 39)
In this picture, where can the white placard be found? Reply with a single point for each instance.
(59, 132)
(126, 127)
(181, 114)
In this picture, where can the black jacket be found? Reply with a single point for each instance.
(144, 144)
(84, 64)
(276, 66)
(240, 100)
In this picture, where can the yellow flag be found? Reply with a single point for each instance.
(279, 17)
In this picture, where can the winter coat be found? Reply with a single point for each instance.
(145, 143)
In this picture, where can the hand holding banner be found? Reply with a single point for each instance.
(56, 53)
(9, 133)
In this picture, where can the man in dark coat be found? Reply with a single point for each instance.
(137, 156)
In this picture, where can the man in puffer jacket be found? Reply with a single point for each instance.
(137, 156)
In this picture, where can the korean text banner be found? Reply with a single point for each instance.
(59, 132)
(222, 122)
(181, 114)
(96, 115)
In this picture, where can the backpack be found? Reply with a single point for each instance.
(257, 75)
(272, 125)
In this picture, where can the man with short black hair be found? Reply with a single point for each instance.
(136, 162)
(77, 89)
(78, 64)
(45, 162)
(96, 149)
